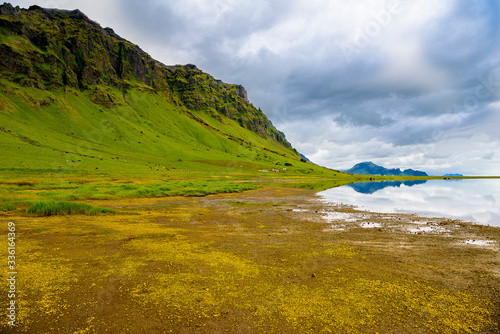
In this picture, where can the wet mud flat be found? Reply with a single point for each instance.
(272, 260)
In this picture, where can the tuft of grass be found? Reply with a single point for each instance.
(52, 208)
(8, 207)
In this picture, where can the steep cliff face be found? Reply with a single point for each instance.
(49, 49)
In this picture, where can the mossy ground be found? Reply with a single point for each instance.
(246, 263)
(95, 131)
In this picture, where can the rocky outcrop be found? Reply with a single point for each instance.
(8, 9)
(52, 48)
(242, 92)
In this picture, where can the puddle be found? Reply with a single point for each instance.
(418, 222)
(340, 227)
(344, 216)
(479, 242)
(370, 225)
(300, 210)
(428, 229)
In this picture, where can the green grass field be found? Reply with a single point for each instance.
(66, 145)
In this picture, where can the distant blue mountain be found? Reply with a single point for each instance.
(452, 175)
(369, 168)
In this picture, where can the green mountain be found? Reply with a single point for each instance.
(369, 168)
(77, 98)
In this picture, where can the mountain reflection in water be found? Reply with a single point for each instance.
(475, 200)
(371, 187)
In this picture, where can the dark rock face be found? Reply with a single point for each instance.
(243, 93)
(66, 48)
(8, 9)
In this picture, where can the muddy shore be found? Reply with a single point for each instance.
(273, 260)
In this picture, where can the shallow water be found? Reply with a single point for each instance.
(477, 201)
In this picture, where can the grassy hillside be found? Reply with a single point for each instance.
(49, 49)
(65, 130)
(85, 114)
(60, 135)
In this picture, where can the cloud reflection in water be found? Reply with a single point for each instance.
(469, 200)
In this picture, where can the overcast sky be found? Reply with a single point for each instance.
(403, 84)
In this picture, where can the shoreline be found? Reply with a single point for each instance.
(467, 201)
(267, 260)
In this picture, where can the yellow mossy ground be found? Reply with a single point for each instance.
(242, 263)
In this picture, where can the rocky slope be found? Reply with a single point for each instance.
(50, 48)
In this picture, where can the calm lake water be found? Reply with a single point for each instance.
(470, 200)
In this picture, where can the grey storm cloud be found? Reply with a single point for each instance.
(407, 84)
